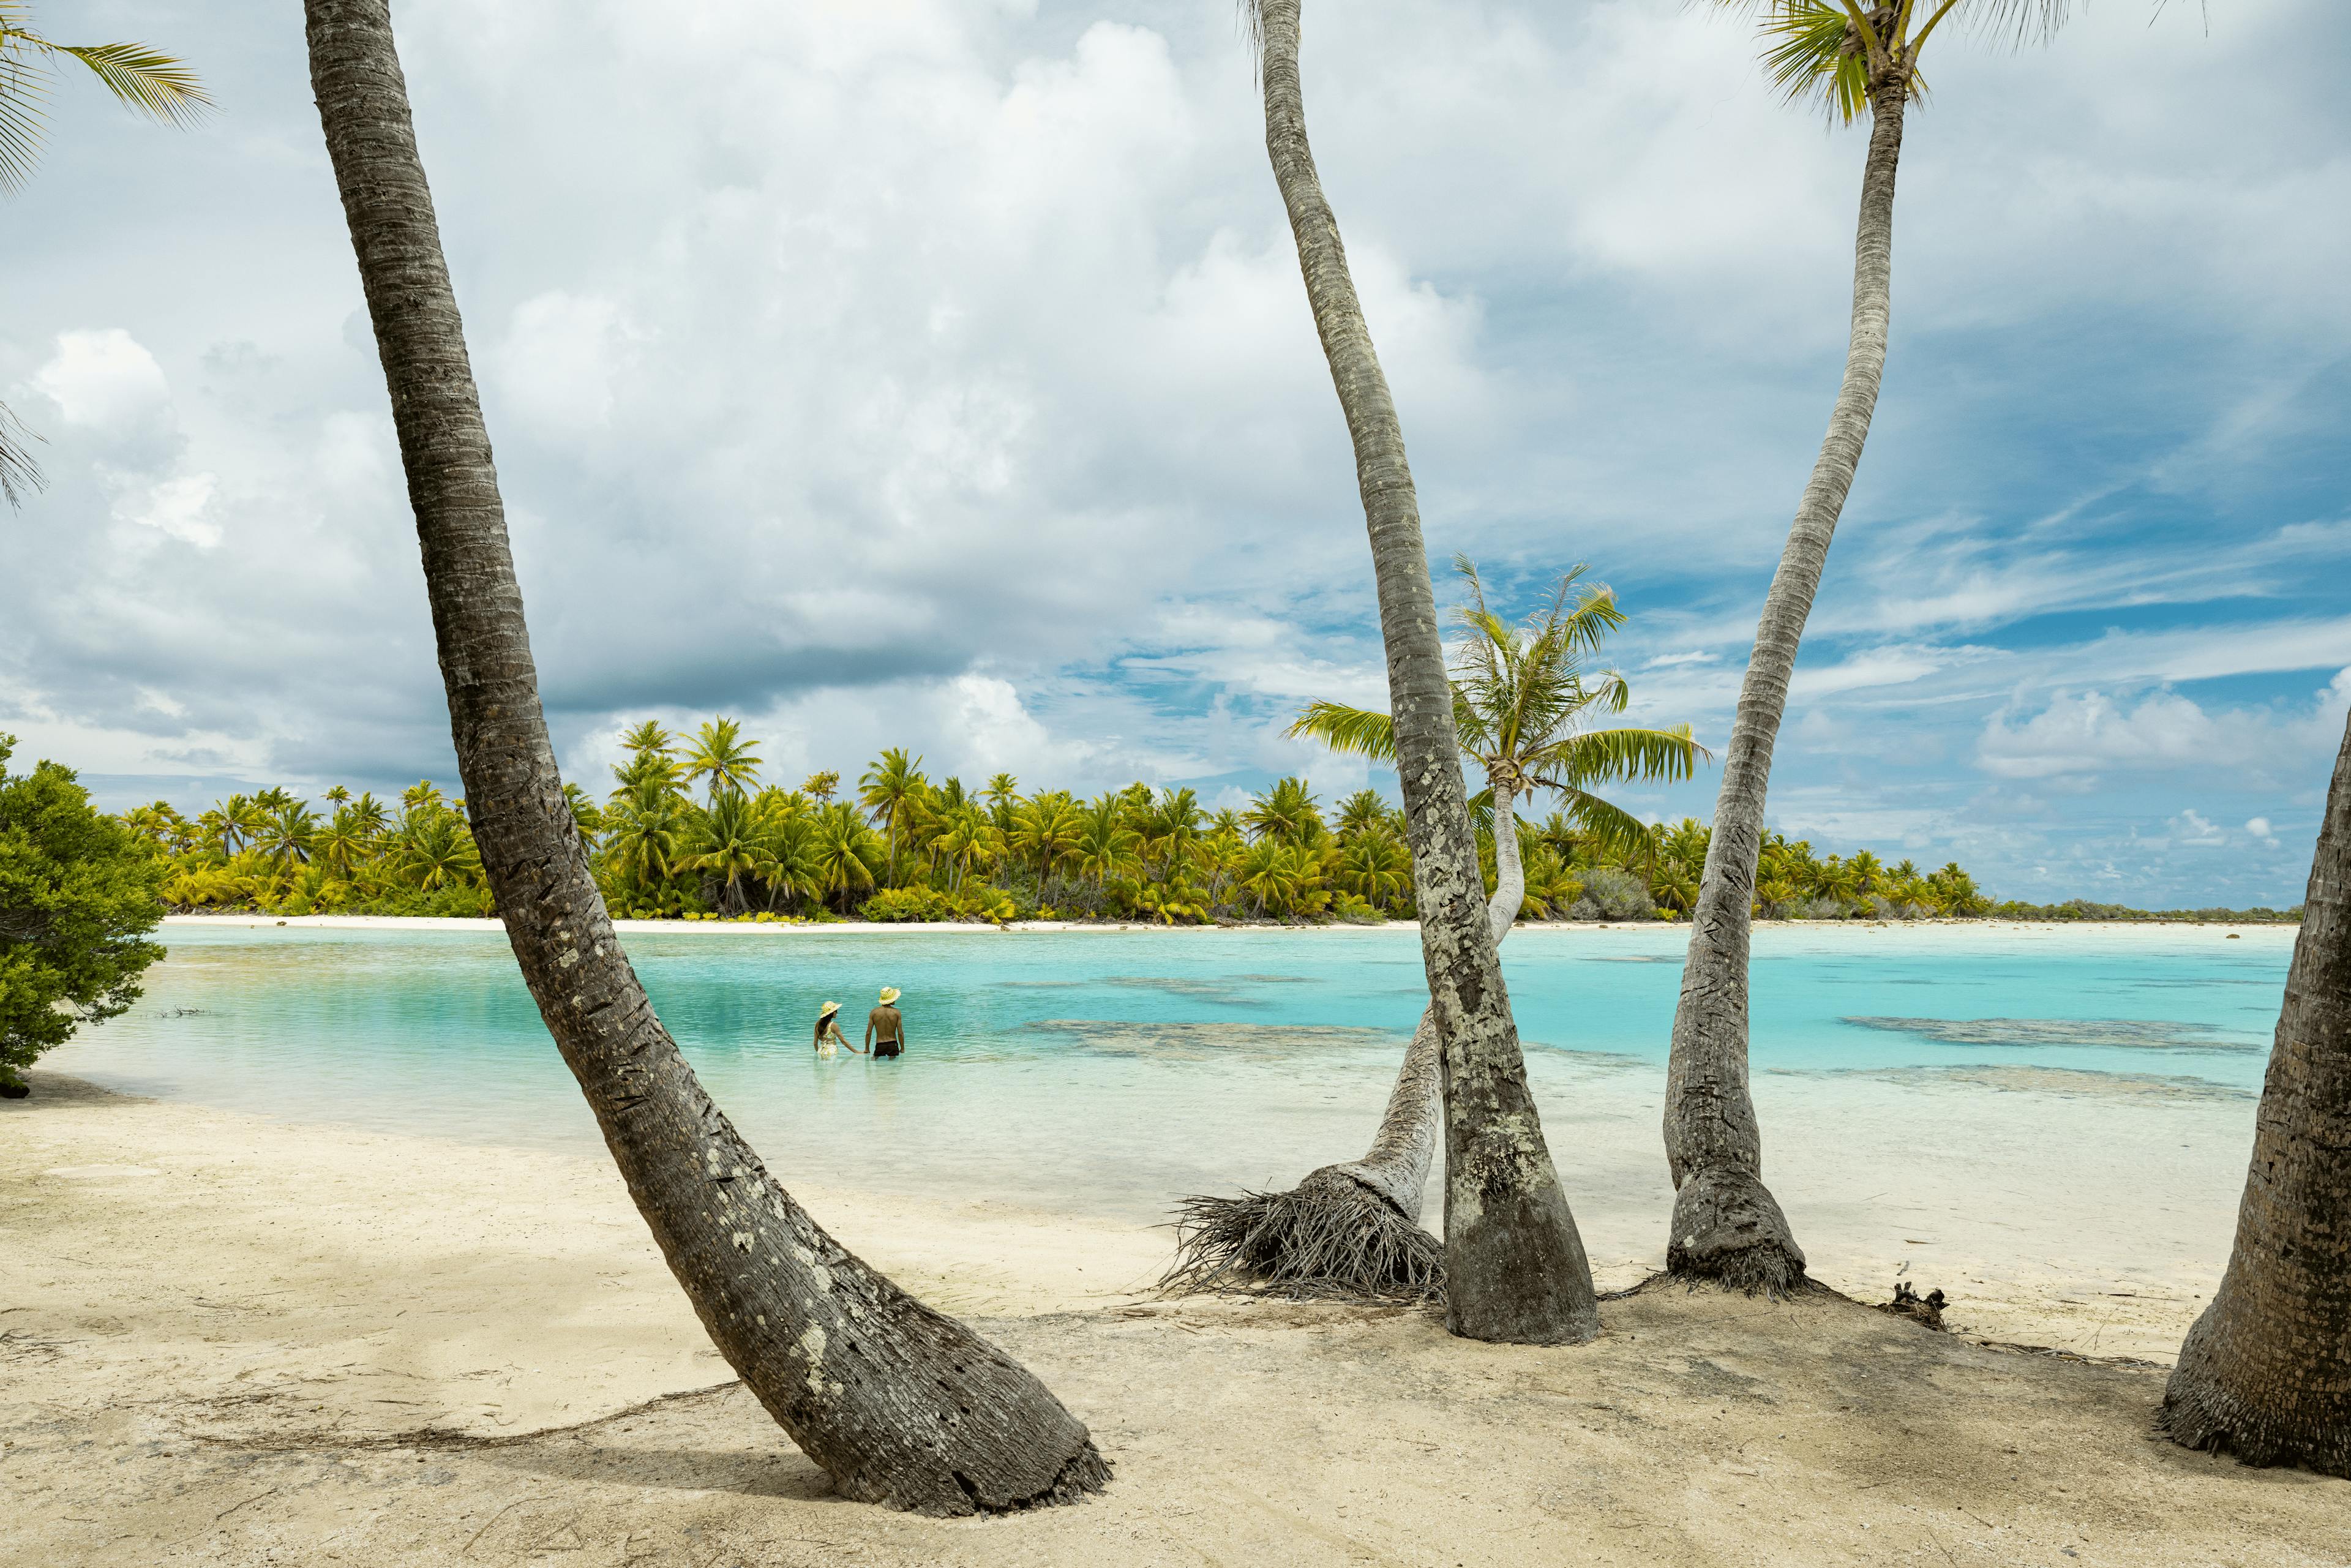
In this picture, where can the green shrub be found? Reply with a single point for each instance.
(78, 895)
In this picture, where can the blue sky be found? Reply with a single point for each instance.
(939, 375)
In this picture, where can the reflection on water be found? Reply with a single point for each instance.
(1110, 1071)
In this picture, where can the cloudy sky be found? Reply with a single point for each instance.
(937, 373)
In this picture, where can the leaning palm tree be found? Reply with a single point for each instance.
(901, 1405)
(1515, 1266)
(1726, 1226)
(1520, 698)
(141, 79)
(2265, 1373)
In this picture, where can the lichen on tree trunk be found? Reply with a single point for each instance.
(1727, 1226)
(902, 1405)
(2265, 1373)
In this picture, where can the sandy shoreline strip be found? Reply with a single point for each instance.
(231, 1341)
(2115, 929)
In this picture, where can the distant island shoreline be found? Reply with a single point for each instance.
(983, 927)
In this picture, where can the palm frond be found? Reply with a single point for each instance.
(1594, 756)
(18, 472)
(1354, 731)
(1616, 830)
(1807, 58)
(23, 87)
(144, 81)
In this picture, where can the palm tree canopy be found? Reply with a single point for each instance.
(1519, 694)
(1829, 51)
(720, 754)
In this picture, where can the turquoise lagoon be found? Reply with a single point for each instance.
(1104, 1071)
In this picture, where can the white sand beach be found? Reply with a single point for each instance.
(230, 1340)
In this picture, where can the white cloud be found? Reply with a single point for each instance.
(174, 506)
(561, 356)
(103, 378)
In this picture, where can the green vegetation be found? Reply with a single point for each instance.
(78, 897)
(2084, 909)
(912, 848)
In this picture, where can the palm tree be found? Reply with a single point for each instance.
(967, 836)
(286, 836)
(1106, 845)
(1288, 814)
(586, 815)
(821, 787)
(648, 827)
(1725, 1225)
(719, 753)
(433, 850)
(141, 80)
(2265, 1373)
(886, 789)
(1519, 699)
(344, 841)
(369, 814)
(900, 1405)
(1375, 868)
(1517, 696)
(648, 737)
(842, 852)
(1002, 791)
(733, 840)
(1515, 1264)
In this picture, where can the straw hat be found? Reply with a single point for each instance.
(889, 995)
(827, 1010)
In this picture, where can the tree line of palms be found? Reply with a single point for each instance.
(661, 849)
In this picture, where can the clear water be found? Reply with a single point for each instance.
(1106, 1071)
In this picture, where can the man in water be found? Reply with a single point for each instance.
(886, 1027)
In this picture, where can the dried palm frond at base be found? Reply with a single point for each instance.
(1329, 1238)
(1908, 1303)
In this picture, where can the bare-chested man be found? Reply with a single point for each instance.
(885, 1025)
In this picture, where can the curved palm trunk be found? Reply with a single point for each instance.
(2266, 1372)
(903, 1406)
(1351, 1229)
(1514, 1266)
(1726, 1226)
(1396, 1165)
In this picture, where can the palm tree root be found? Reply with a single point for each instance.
(2201, 1411)
(1330, 1238)
(1728, 1230)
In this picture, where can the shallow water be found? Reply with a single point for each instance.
(1107, 1071)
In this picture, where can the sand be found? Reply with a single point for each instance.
(230, 1340)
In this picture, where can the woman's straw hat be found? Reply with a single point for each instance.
(827, 1010)
(889, 995)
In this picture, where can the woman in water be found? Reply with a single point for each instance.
(828, 1037)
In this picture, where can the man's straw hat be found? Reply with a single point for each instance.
(827, 1010)
(889, 995)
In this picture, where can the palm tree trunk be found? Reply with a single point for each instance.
(1351, 1229)
(902, 1405)
(1726, 1226)
(1515, 1269)
(1396, 1165)
(2266, 1372)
